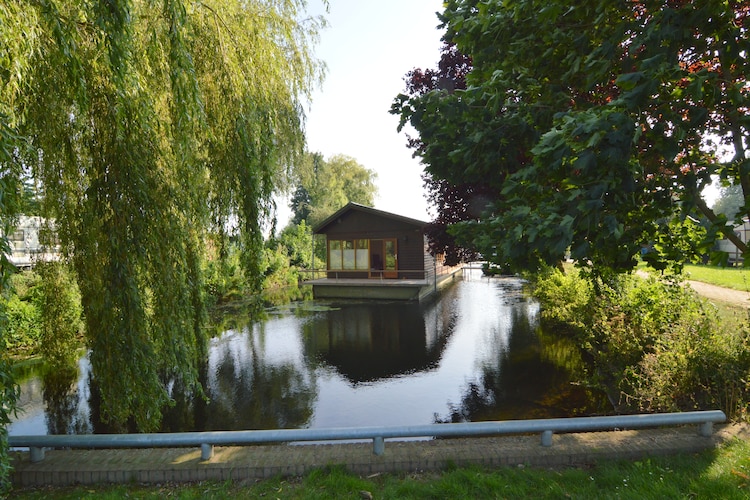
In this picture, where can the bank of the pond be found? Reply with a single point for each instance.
(653, 343)
(249, 464)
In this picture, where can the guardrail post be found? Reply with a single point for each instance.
(547, 438)
(378, 445)
(207, 451)
(36, 454)
(706, 429)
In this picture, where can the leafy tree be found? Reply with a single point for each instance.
(298, 240)
(10, 205)
(324, 186)
(146, 125)
(730, 202)
(300, 205)
(453, 203)
(594, 123)
(60, 315)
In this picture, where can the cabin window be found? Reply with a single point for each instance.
(348, 255)
(349, 259)
(362, 257)
(334, 254)
(17, 235)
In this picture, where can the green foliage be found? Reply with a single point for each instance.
(43, 313)
(298, 241)
(694, 366)
(565, 297)
(9, 390)
(22, 322)
(324, 186)
(278, 273)
(653, 344)
(595, 124)
(224, 278)
(23, 331)
(59, 306)
(226, 282)
(682, 242)
(146, 126)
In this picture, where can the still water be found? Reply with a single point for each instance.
(474, 353)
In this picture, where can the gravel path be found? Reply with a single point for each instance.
(721, 294)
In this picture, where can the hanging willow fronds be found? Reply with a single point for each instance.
(149, 124)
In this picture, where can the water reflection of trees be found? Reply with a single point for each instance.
(65, 413)
(262, 374)
(368, 342)
(254, 393)
(530, 377)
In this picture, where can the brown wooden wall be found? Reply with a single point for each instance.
(361, 225)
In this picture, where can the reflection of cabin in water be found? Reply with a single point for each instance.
(378, 255)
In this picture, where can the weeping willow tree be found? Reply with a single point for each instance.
(148, 125)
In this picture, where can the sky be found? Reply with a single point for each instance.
(369, 47)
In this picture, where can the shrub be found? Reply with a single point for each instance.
(696, 367)
(224, 279)
(22, 332)
(565, 298)
(654, 345)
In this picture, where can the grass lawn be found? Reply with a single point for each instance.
(722, 473)
(737, 278)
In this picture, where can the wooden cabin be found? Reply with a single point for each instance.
(375, 254)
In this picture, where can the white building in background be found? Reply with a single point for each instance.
(26, 247)
(743, 232)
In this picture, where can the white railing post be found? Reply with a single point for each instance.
(378, 445)
(547, 438)
(36, 454)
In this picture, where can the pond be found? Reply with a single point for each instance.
(474, 353)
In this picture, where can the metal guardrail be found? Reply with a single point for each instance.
(207, 440)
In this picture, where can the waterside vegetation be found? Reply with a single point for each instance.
(651, 343)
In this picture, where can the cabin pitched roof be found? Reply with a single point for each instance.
(321, 227)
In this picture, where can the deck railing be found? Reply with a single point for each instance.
(378, 435)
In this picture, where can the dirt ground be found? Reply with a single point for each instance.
(718, 293)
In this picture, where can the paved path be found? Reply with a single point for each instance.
(68, 467)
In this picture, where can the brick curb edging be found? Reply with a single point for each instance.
(71, 467)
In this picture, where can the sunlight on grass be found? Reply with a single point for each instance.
(737, 278)
(721, 473)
